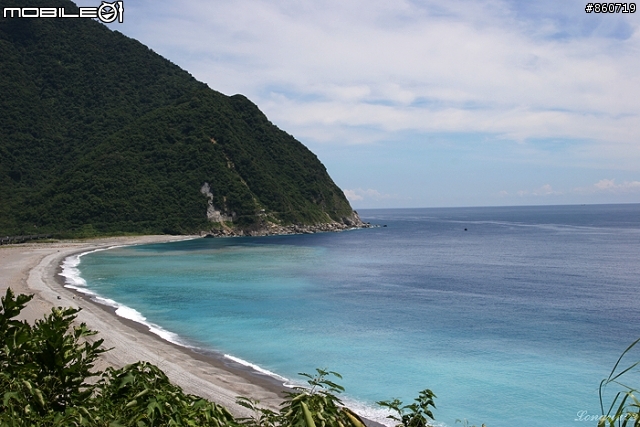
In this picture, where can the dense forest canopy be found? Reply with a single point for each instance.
(102, 135)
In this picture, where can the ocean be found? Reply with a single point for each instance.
(511, 315)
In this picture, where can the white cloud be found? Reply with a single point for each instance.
(352, 195)
(545, 190)
(396, 66)
(338, 67)
(605, 184)
(465, 66)
(610, 186)
(359, 194)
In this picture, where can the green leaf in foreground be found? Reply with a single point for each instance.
(624, 410)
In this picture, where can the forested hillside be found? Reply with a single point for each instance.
(99, 134)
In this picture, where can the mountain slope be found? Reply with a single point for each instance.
(102, 135)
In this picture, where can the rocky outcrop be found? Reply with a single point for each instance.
(266, 228)
(353, 220)
(222, 224)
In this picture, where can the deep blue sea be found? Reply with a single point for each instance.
(511, 315)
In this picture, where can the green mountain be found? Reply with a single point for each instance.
(99, 134)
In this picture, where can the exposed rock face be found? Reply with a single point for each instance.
(353, 220)
(213, 214)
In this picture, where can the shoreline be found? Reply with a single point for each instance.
(212, 357)
(34, 268)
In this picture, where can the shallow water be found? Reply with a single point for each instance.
(512, 322)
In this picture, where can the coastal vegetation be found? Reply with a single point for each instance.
(102, 136)
(47, 379)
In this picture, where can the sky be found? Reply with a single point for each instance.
(427, 103)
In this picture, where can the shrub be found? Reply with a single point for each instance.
(45, 380)
(317, 406)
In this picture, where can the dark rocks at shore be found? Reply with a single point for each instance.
(279, 230)
(267, 228)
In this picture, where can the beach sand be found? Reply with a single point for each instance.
(32, 268)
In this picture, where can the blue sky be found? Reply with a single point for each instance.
(427, 103)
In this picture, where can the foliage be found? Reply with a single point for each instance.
(624, 410)
(44, 368)
(101, 135)
(142, 395)
(415, 414)
(45, 380)
(317, 406)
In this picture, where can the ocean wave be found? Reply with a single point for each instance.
(134, 315)
(257, 368)
(74, 280)
(71, 273)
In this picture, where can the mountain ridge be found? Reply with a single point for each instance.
(101, 135)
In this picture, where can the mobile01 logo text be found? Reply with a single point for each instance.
(106, 12)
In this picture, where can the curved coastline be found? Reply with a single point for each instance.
(129, 314)
(34, 269)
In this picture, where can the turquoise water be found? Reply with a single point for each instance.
(512, 322)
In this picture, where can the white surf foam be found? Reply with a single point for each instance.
(134, 315)
(377, 414)
(73, 280)
(259, 369)
(71, 273)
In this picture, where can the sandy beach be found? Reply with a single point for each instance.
(32, 268)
